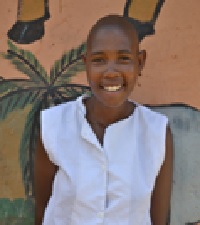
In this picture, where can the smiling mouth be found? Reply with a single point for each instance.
(112, 88)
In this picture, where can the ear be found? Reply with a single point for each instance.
(142, 59)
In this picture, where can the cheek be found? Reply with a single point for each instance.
(129, 69)
(93, 79)
(96, 71)
(132, 78)
(94, 75)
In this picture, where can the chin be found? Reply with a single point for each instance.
(111, 99)
(112, 102)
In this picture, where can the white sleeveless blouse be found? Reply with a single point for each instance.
(109, 185)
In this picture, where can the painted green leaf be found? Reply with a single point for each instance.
(26, 69)
(13, 47)
(18, 100)
(73, 69)
(68, 59)
(72, 91)
(28, 145)
(29, 56)
(12, 212)
(26, 63)
(6, 86)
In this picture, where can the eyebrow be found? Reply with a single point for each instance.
(97, 53)
(123, 51)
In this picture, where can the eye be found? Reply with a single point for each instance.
(98, 60)
(124, 58)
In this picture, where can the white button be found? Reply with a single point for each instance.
(100, 214)
(103, 167)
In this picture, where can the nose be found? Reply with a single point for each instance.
(111, 70)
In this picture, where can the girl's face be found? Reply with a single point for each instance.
(112, 64)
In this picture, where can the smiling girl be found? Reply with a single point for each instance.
(105, 159)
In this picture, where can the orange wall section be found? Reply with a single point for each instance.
(172, 71)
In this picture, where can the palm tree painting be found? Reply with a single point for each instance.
(39, 90)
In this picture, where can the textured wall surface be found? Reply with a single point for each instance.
(185, 125)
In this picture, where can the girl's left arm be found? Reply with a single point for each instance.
(160, 201)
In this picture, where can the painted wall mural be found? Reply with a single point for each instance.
(41, 46)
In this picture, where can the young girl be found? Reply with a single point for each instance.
(105, 159)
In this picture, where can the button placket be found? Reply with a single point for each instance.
(100, 215)
(103, 166)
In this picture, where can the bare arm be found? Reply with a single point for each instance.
(160, 202)
(44, 171)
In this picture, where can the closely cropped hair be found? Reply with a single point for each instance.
(114, 20)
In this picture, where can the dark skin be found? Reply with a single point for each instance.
(112, 60)
(160, 201)
(44, 174)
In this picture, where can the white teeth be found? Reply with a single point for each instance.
(112, 88)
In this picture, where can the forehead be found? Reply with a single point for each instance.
(112, 38)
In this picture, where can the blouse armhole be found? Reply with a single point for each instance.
(49, 134)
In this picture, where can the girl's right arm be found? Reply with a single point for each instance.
(44, 172)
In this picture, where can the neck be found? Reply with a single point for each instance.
(104, 115)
